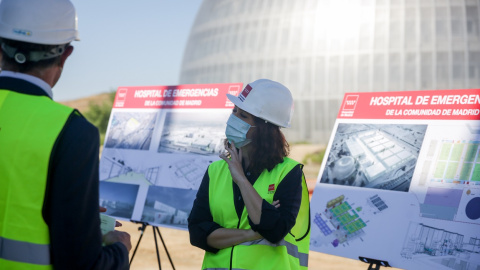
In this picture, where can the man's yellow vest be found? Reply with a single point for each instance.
(290, 253)
(29, 127)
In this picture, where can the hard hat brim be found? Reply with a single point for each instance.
(235, 100)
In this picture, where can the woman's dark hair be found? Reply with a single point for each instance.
(269, 146)
(27, 47)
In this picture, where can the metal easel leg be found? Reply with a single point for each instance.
(155, 231)
(142, 229)
(156, 247)
(165, 247)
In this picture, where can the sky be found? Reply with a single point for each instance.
(126, 43)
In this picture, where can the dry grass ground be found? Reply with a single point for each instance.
(185, 256)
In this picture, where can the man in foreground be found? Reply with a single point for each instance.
(48, 152)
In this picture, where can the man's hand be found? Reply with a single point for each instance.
(103, 210)
(118, 236)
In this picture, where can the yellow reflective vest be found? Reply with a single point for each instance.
(29, 127)
(288, 254)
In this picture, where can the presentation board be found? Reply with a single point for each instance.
(159, 143)
(400, 180)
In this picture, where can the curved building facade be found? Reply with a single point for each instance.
(321, 49)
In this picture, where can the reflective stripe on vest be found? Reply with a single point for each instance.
(255, 256)
(29, 128)
(224, 269)
(25, 252)
(291, 249)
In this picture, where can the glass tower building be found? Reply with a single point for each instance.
(321, 49)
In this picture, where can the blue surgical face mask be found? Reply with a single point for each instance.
(236, 131)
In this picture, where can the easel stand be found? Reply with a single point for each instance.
(155, 231)
(373, 263)
(374, 267)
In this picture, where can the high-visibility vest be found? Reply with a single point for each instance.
(29, 127)
(289, 253)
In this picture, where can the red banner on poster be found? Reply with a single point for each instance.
(187, 96)
(434, 105)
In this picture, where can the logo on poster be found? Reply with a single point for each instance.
(349, 105)
(350, 102)
(232, 90)
(120, 99)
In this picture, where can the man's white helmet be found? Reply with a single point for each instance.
(266, 99)
(48, 22)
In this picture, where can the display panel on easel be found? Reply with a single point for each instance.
(159, 143)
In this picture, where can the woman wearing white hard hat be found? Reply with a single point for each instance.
(252, 208)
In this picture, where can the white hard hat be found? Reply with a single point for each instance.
(47, 22)
(266, 99)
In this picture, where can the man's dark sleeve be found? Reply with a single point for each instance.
(71, 207)
(275, 223)
(200, 220)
